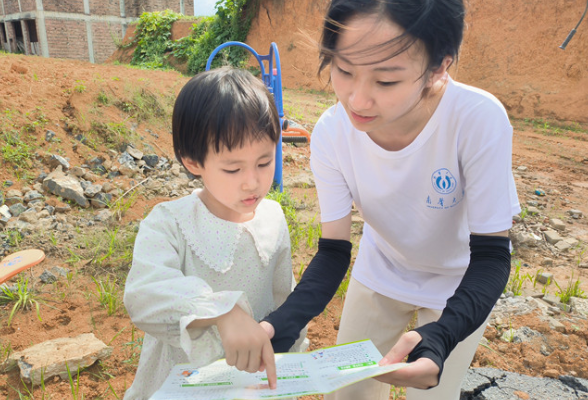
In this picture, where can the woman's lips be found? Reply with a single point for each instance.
(361, 119)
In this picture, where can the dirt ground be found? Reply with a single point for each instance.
(555, 155)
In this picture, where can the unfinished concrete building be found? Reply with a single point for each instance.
(78, 29)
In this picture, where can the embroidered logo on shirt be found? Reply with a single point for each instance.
(443, 181)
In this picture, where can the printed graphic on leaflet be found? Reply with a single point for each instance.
(316, 372)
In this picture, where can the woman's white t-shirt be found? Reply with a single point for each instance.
(421, 203)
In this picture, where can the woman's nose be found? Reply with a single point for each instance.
(360, 97)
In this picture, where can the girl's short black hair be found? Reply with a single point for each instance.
(222, 108)
(437, 24)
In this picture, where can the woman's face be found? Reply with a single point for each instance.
(378, 94)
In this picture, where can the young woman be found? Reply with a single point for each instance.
(427, 162)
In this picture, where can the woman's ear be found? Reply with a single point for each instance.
(192, 166)
(438, 73)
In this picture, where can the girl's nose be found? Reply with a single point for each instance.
(251, 181)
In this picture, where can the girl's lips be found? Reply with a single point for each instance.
(361, 119)
(250, 201)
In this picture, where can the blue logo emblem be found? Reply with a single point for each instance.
(443, 181)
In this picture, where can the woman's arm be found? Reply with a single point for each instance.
(318, 284)
(429, 346)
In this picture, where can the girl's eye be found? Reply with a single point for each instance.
(233, 171)
(267, 164)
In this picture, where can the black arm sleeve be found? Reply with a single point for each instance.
(472, 302)
(317, 287)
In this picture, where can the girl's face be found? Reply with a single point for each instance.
(378, 95)
(236, 181)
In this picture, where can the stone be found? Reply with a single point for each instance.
(14, 193)
(49, 359)
(17, 209)
(552, 237)
(151, 160)
(33, 195)
(556, 325)
(579, 305)
(47, 277)
(563, 246)
(576, 214)
(557, 224)
(101, 200)
(5, 212)
(65, 186)
(532, 210)
(544, 277)
(78, 171)
(56, 160)
(135, 153)
(92, 190)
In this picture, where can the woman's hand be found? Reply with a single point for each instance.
(421, 374)
(246, 343)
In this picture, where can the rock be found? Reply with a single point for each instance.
(33, 195)
(65, 186)
(49, 359)
(49, 135)
(552, 237)
(14, 193)
(493, 384)
(151, 160)
(544, 277)
(103, 216)
(5, 212)
(563, 246)
(579, 305)
(557, 224)
(135, 153)
(101, 200)
(56, 160)
(29, 216)
(92, 190)
(532, 210)
(129, 169)
(17, 209)
(576, 214)
(47, 277)
(78, 171)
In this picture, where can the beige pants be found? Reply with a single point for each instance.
(370, 315)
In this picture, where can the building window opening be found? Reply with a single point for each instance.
(19, 37)
(33, 38)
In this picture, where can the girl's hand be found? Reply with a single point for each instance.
(268, 328)
(247, 345)
(421, 374)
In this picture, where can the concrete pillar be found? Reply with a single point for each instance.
(41, 29)
(182, 11)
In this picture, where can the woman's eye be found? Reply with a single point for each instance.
(387, 83)
(343, 71)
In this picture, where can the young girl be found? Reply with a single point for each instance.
(427, 162)
(208, 266)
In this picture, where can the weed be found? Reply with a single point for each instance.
(572, 290)
(23, 298)
(74, 385)
(15, 151)
(103, 98)
(108, 294)
(80, 86)
(516, 280)
(135, 346)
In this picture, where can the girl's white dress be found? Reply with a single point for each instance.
(187, 265)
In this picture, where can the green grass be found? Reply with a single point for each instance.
(24, 298)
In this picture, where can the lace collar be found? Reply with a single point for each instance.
(215, 241)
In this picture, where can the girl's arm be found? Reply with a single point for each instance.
(316, 288)
(429, 346)
(182, 310)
